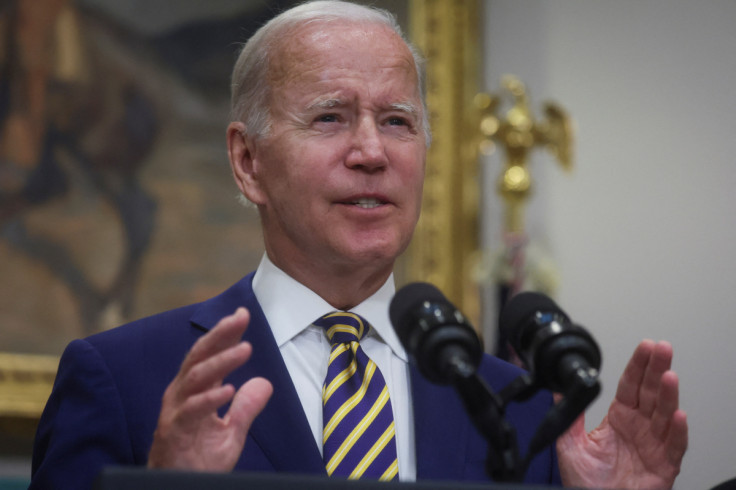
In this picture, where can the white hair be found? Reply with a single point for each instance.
(250, 87)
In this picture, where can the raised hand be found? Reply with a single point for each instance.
(641, 442)
(190, 434)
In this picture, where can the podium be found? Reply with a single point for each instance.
(135, 478)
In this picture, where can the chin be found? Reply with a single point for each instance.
(366, 247)
(377, 255)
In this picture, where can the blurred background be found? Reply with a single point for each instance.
(641, 233)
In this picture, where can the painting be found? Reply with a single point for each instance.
(116, 199)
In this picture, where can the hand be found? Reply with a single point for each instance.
(190, 434)
(641, 442)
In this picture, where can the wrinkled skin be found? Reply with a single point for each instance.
(641, 442)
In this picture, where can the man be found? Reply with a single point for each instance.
(328, 140)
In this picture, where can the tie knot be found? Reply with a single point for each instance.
(343, 327)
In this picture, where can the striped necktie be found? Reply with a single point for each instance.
(358, 433)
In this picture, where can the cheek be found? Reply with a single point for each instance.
(276, 171)
(412, 170)
(294, 189)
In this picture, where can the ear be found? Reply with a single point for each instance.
(241, 149)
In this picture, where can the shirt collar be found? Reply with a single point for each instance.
(290, 307)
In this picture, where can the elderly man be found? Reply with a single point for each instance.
(328, 141)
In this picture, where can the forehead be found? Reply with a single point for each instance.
(325, 52)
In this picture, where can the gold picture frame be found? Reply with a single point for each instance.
(445, 247)
(25, 383)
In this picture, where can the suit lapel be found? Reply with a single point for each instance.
(281, 431)
(441, 430)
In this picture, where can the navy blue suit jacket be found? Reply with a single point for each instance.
(107, 397)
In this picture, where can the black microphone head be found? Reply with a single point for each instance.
(434, 333)
(521, 308)
(551, 346)
(405, 302)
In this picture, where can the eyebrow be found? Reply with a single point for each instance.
(407, 107)
(325, 104)
(331, 103)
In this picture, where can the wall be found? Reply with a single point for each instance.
(643, 230)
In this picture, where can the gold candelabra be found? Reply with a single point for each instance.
(518, 133)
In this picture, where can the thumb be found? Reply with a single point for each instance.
(572, 437)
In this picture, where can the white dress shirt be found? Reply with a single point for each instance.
(290, 308)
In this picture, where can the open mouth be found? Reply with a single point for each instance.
(367, 202)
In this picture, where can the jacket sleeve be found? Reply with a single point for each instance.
(83, 427)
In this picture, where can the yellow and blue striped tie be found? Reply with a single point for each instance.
(358, 434)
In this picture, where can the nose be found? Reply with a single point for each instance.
(367, 150)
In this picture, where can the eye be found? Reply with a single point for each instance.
(400, 124)
(397, 121)
(327, 118)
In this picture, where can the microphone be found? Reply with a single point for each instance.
(436, 335)
(559, 353)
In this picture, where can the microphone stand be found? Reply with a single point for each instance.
(583, 389)
(486, 409)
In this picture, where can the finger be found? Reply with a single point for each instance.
(629, 385)
(211, 372)
(659, 362)
(249, 401)
(677, 439)
(667, 405)
(197, 407)
(226, 333)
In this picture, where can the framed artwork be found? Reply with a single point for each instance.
(116, 199)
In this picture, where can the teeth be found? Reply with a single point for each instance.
(367, 202)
